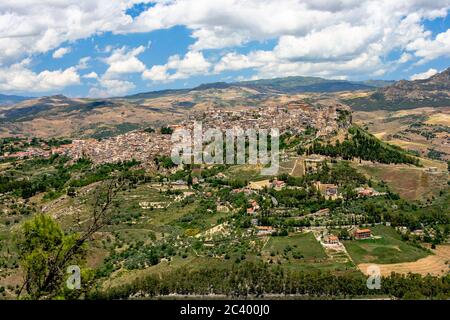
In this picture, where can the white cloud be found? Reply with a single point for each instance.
(323, 38)
(193, 63)
(28, 27)
(18, 77)
(61, 52)
(269, 65)
(234, 61)
(405, 57)
(428, 49)
(83, 63)
(91, 75)
(424, 75)
(218, 37)
(315, 37)
(111, 88)
(156, 73)
(123, 61)
(337, 42)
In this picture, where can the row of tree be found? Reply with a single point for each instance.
(259, 279)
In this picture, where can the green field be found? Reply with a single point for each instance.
(245, 172)
(388, 249)
(301, 251)
(303, 243)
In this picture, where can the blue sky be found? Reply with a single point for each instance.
(112, 48)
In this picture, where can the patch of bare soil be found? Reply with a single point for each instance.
(437, 264)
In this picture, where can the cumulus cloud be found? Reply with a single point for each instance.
(349, 39)
(18, 77)
(28, 27)
(91, 75)
(83, 63)
(306, 30)
(61, 52)
(111, 88)
(342, 41)
(123, 61)
(312, 37)
(193, 63)
(428, 49)
(424, 75)
(405, 57)
(341, 36)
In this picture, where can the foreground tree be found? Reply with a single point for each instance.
(46, 251)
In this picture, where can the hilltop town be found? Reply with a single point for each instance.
(146, 145)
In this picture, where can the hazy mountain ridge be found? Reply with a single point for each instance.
(6, 100)
(57, 115)
(285, 85)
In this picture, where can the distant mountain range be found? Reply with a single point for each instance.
(7, 100)
(403, 94)
(286, 85)
(85, 117)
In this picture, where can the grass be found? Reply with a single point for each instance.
(410, 183)
(388, 249)
(245, 172)
(305, 254)
(303, 243)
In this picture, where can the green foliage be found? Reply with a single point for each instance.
(40, 182)
(435, 154)
(103, 132)
(166, 130)
(388, 249)
(25, 182)
(256, 279)
(164, 162)
(41, 244)
(364, 146)
(101, 173)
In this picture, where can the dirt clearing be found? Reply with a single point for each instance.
(437, 264)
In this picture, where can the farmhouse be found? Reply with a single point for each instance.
(368, 192)
(362, 234)
(265, 230)
(331, 239)
(364, 192)
(328, 190)
(278, 184)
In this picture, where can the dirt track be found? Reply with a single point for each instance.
(437, 264)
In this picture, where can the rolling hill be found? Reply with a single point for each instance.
(56, 116)
(286, 85)
(61, 116)
(403, 94)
